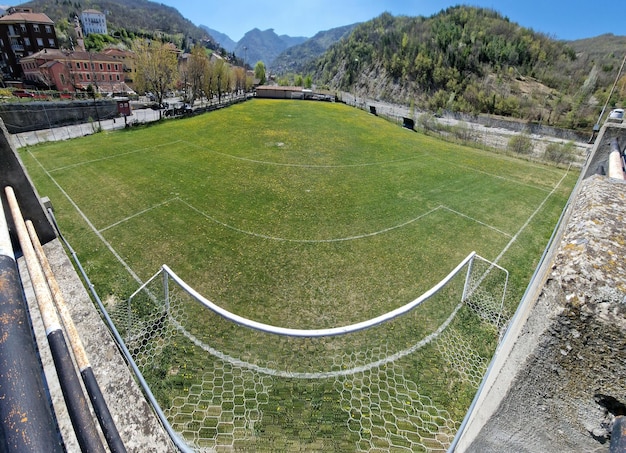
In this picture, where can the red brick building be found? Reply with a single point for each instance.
(75, 71)
(23, 33)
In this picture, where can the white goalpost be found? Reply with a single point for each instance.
(398, 382)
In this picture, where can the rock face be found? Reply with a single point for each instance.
(567, 393)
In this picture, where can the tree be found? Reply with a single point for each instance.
(259, 72)
(222, 78)
(239, 74)
(157, 67)
(208, 81)
(196, 70)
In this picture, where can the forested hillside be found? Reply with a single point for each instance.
(469, 59)
(125, 17)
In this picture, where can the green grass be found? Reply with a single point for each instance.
(298, 214)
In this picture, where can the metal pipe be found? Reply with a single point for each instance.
(616, 169)
(98, 402)
(75, 401)
(178, 441)
(27, 423)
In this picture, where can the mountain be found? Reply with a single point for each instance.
(472, 60)
(221, 38)
(265, 46)
(294, 58)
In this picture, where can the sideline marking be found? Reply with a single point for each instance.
(504, 178)
(91, 225)
(523, 227)
(109, 157)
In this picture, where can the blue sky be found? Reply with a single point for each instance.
(561, 19)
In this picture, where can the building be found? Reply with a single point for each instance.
(23, 33)
(75, 71)
(127, 59)
(93, 22)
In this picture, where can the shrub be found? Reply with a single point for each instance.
(559, 153)
(428, 122)
(520, 144)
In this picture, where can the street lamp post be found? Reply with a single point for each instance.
(356, 60)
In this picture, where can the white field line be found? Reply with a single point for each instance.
(504, 178)
(114, 156)
(476, 220)
(138, 214)
(91, 225)
(530, 218)
(310, 241)
(281, 164)
(263, 162)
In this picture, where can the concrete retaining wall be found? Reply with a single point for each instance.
(559, 382)
(37, 115)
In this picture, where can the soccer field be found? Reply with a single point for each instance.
(296, 214)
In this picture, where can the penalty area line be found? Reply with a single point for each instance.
(477, 221)
(137, 214)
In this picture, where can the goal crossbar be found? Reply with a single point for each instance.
(309, 333)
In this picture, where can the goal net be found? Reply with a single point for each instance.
(399, 382)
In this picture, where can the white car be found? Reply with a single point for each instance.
(616, 115)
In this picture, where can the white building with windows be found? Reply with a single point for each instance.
(93, 21)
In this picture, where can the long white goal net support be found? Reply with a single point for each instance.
(399, 382)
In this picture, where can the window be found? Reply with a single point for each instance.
(88, 76)
(101, 67)
(80, 76)
(23, 28)
(40, 42)
(62, 78)
(48, 29)
(36, 28)
(116, 68)
(109, 67)
(117, 77)
(85, 65)
(77, 65)
(51, 42)
(27, 42)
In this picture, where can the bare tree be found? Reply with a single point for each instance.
(196, 70)
(208, 81)
(157, 67)
(222, 77)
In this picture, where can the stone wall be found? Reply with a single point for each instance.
(561, 384)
